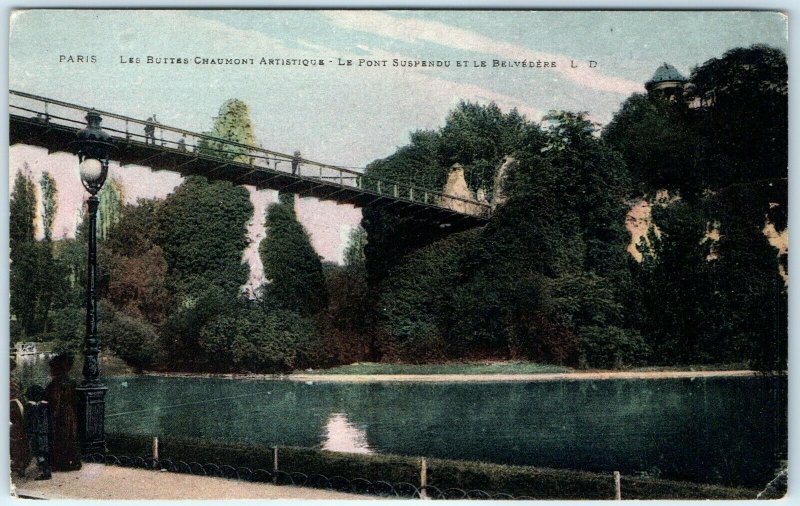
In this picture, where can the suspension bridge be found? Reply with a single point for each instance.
(54, 124)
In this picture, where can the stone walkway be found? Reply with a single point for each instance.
(98, 481)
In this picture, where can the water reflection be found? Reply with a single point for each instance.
(722, 430)
(342, 436)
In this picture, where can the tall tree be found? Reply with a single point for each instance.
(681, 306)
(48, 282)
(202, 229)
(112, 198)
(137, 269)
(659, 145)
(293, 268)
(744, 113)
(232, 124)
(22, 209)
(354, 250)
(24, 270)
(49, 203)
(749, 272)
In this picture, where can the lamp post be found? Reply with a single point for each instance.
(93, 147)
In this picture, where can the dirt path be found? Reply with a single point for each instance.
(369, 378)
(606, 375)
(98, 481)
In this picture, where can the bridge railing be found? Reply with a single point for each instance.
(128, 129)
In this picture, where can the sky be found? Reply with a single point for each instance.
(346, 115)
(353, 115)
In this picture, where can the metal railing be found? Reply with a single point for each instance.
(125, 129)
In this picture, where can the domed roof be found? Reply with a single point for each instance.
(666, 72)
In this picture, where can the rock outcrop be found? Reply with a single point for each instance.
(456, 186)
(499, 196)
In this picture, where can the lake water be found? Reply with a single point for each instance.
(721, 430)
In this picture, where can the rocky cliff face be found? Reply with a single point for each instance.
(456, 185)
(639, 222)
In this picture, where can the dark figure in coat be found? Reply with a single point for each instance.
(39, 429)
(61, 395)
(20, 451)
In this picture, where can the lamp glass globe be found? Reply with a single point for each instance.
(91, 170)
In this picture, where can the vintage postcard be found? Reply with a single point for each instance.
(417, 254)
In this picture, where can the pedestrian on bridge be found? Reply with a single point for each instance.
(150, 130)
(295, 162)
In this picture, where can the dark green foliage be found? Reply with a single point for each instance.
(131, 338)
(696, 300)
(654, 137)
(182, 329)
(519, 481)
(137, 269)
(506, 290)
(475, 133)
(34, 280)
(748, 268)
(67, 329)
(346, 327)
(71, 268)
(477, 137)
(391, 236)
(611, 347)
(292, 267)
(595, 185)
(354, 252)
(551, 259)
(745, 118)
(681, 305)
(25, 274)
(255, 339)
(24, 270)
(202, 231)
(22, 209)
(416, 304)
(232, 124)
(49, 203)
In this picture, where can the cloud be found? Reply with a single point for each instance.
(451, 92)
(418, 30)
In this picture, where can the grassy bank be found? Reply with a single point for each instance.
(501, 367)
(509, 367)
(518, 481)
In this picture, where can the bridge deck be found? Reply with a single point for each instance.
(42, 122)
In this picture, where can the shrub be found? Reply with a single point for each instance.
(257, 339)
(67, 329)
(132, 339)
(199, 303)
(610, 346)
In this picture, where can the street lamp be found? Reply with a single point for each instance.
(93, 147)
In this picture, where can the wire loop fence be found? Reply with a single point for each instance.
(358, 485)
